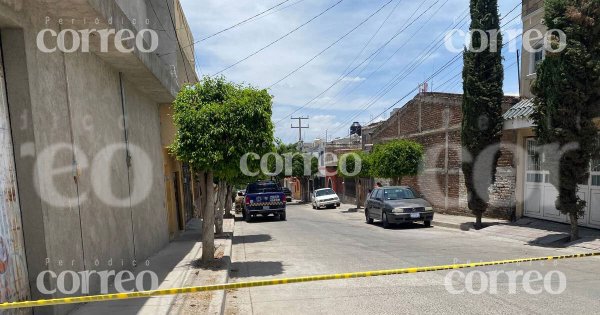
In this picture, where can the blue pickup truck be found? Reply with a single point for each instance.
(264, 198)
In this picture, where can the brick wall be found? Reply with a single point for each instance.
(434, 119)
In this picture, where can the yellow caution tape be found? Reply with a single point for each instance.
(239, 285)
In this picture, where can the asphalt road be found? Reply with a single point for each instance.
(313, 242)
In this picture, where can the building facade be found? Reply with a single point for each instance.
(86, 190)
(535, 196)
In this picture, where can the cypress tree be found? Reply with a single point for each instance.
(482, 121)
(567, 97)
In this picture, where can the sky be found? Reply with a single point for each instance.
(355, 62)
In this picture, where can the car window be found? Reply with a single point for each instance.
(398, 194)
(324, 192)
(262, 187)
(377, 194)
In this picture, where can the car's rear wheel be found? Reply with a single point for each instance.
(368, 218)
(427, 223)
(314, 206)
(248, 217)
(384, 221)
(282, 216)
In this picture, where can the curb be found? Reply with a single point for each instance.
(448, 225)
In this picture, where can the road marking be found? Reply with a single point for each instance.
(239, 285)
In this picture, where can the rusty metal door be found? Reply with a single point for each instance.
(14, 284)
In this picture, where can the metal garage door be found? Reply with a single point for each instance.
(540, 195)
(13, 270)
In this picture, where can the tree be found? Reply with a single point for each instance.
(482, 122)
(217, 123)
(355, 165)
(303, 165)
(567, 97)
(396, 159)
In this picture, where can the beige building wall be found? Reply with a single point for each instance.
(532, 15)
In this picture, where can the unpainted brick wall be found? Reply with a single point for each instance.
(433, 119)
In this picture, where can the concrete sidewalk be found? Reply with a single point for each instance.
(545, 233)
(176, 267)
(527, 230)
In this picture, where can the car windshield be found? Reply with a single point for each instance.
(398, 194)
(262, 187)
(324, 192)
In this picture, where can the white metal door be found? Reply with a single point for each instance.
(13, 270)
(594, 195)
(540, 195)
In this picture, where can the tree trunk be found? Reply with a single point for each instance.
(208, 234)
(478, 224)
(198, 202)
(358, 193)
(228, 202)
(574, 227)
(202, 185)
(219, 208)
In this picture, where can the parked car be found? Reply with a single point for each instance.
(397, 204)
(239, 201)
(325, 197)
(264, 198)
(288, 194)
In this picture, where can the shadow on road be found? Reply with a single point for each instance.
(245, 269)
(404, 226)
(247, 239)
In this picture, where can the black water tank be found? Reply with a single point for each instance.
(355, 128)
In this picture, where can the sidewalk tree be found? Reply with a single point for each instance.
(291, 155)
(482, 121)
(217, 123)
(567, 90)
(355, 165)
(396, 159)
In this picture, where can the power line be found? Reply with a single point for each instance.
(396, 80)
(242, 22)
(422, 54)
(332, 44)
(334, 83)
(177, 39)
(227, 28)
(278, 39)
(429, 78)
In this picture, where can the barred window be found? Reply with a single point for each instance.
(533, 156)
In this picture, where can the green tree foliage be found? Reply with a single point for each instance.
(396, 159)
(567, 90)
(482, 121)
(217, 123)
(349, 162)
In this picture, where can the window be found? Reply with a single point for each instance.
(398, 194)
(324, 192)
(377, 193)
(262, 187)
(534, 174)
(533, 156)
(536, 58)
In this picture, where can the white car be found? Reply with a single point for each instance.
(325, 197)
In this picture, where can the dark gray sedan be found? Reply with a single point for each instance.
(397, 204)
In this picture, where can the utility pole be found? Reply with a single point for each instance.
(305, 190)
(300, 127)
